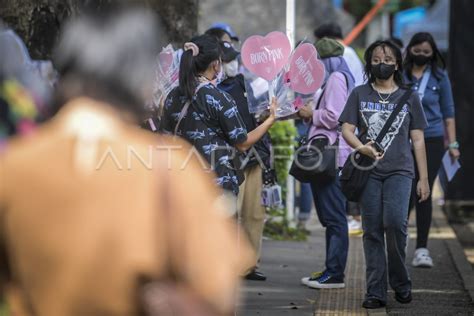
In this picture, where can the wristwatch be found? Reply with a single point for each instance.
(454, 145)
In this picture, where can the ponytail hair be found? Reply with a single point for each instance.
(191, 66)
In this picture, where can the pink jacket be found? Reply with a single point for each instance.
(326, 118)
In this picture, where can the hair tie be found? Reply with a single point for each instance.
(193, 47)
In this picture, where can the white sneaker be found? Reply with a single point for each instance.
(305, 280)
(355, 227)
(422, 258)
(314, 276)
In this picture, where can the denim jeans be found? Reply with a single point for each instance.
(305, 202)
(384, 212)
(331, 209)
(305, 198)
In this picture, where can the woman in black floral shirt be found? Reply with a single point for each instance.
(210, 120)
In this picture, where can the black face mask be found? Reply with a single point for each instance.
(420, 60)
(383, 71)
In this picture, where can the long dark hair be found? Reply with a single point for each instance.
(437, 60)
(191, 66)
(385, 44)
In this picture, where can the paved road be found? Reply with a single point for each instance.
(437, 291)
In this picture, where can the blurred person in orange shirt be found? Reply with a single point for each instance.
(93, 209)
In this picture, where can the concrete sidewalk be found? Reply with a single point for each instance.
(444, 290)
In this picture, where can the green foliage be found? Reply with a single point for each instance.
(280, 230)
(283, 135)
(358, 8)
(407, 4)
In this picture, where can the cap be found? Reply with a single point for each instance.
(228, 52)
(226, 27)
(327, 47)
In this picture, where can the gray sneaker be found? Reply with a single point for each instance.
(422, 259)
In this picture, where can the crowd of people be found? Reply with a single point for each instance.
(119, 220)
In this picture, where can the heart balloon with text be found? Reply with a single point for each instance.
(266, 56)
(307, 72)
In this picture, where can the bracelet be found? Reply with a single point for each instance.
(454, 145)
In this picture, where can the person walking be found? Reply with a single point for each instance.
(385, 198)
(425, 73)
(328, 198)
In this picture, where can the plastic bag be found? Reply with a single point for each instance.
(304, 72)
(259, 91)
(166, 74)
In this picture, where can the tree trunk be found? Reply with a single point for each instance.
(38, 22)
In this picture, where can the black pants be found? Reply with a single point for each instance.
(434, 154)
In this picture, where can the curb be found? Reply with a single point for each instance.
(457, 253)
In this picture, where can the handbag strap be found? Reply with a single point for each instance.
(393, 115)
(184, 111)
(424, 83)
(182, 114)
(318, 105)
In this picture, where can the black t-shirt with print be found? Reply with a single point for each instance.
(212, 125)
(364, 110)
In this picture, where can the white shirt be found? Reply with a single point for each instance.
(354, 64)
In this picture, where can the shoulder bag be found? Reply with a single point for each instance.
(315, 158)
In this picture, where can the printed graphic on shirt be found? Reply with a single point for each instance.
(376, 114)
(211, 123)
(231, 112)
(237, 132)
(213, 102)
(193, 135)
(227, 179)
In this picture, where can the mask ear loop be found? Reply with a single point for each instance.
(218, 63)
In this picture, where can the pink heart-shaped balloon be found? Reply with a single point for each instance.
(306, 70)
(266, 56)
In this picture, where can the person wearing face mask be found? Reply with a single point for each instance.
(424, 71)
(250, 208)
(384, 200)
(208, 117)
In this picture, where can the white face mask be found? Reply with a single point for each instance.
(231, 69)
